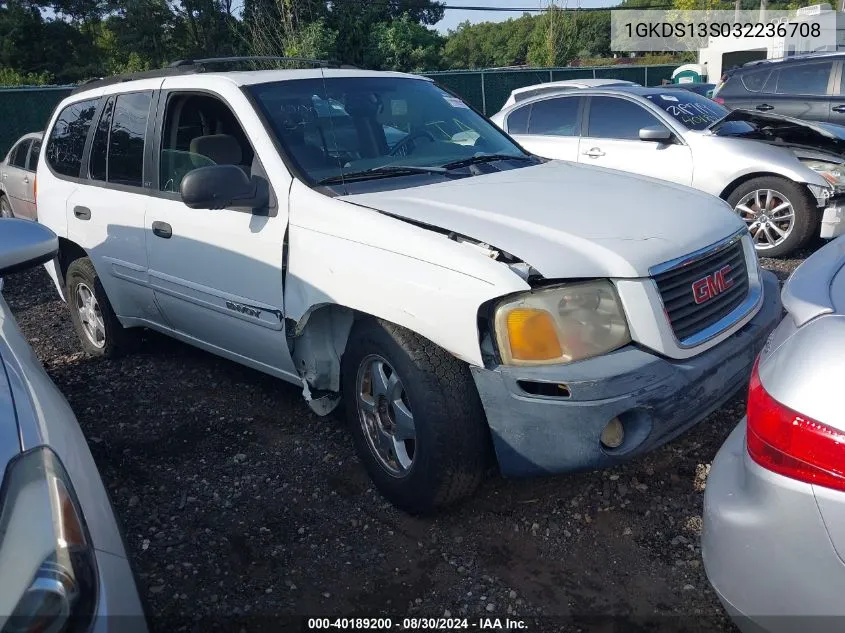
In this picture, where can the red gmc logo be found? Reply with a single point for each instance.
(708, 287)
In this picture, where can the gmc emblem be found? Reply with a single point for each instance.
(708, 287)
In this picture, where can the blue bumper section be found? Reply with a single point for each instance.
(655, 399)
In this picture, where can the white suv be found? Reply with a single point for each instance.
(373, 239)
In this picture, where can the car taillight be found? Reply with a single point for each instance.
(35, 192)
(719, 100)
(791, 444)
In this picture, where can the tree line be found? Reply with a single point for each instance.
(67, 41)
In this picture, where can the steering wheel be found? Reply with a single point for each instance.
(408, 140)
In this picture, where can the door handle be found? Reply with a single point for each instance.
(840, 108)
(765, 107)
(593, 152)
(162, 230)
(26, 180)
(83, 213)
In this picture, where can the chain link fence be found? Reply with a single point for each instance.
(26, 109)
(487, 90)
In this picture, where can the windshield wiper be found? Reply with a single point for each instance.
(385, 171)
(483, 158)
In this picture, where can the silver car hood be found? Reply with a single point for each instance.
(568, 220)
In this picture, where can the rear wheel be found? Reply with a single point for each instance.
(415, 416)
(97, 326)
(5, 207)
(781, 215)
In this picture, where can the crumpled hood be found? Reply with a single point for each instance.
(568, 220)
(783, 130)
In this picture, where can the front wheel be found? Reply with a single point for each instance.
(415, 415)
(780, 214)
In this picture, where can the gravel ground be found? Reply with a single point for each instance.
(239, 504)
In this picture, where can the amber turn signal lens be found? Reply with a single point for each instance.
(532, 335)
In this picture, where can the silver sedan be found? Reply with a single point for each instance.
(17, 178)
(785, 177)
(62, 561)
(773, 542)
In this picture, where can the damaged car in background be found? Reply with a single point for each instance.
(462, 299)
(784, 177)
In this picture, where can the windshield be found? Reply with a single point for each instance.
(691, 110)
(374, 126)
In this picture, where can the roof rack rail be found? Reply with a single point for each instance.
(190, 66)
(323, 63)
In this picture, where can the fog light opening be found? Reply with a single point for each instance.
(613, 434)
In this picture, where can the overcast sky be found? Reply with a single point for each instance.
(454, 17)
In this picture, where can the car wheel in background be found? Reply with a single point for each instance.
(5, 207)
(97, 326)
(415, 415)
(781, 215)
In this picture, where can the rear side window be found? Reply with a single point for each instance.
(618, 118)
(117, 151)
(18, 156)
(67, 138)
(100, 144)
(32, 162)
(803, 79)
(555, 117)
(518, 120)
(755, 80)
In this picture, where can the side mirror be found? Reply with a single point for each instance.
(223, 186)
(24, 244)
(655, 133)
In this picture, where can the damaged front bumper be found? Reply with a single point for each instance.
(655, 399)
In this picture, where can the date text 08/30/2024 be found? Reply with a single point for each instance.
(416, 624)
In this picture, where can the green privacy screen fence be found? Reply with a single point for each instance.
(26, 109)
(487, 90)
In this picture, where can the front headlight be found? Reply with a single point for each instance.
(561, 324)
(834, 173)
(47, 566)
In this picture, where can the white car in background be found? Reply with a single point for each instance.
(783, 176)
(17, 178)
(63, 566)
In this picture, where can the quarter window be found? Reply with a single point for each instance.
(18, 156)
(518, 120)
(755, 80)
(618, 118)
(67, 138)
(555, 117)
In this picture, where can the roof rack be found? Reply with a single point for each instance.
(191, 66)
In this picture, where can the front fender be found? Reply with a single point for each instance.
(340, 253)
(721, 162)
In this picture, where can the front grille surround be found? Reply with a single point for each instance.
(693, 324)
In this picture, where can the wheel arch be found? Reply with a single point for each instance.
(740, 180)
(57, 267)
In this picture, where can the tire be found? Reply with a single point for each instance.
(5, 207)
(451, 447)
(805, 214)
(116, 341)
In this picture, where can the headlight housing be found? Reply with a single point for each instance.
(48, 574)
(834, 173)
(561, 324)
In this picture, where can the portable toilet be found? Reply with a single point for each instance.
(689, 74)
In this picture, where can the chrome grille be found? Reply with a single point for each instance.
(676, 289)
